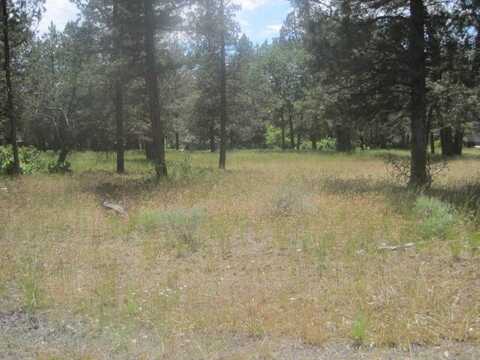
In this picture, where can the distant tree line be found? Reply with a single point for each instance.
(152, 74)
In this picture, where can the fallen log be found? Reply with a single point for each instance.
(385, 247)
(115, 207)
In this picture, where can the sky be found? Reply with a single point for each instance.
(260, 20)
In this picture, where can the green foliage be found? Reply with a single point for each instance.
(54, 167)
(30, 286)
(30, 160)
(359, 329)
(181, 169)
(327, 144)
(273, 137)
(435, 217)
(474, 243)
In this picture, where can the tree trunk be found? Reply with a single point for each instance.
(292, 131)
(458, 142)
(313, 139)
(223, 92)
(446, 141)
(177, 141)
(63, 139)
(118, 86)
(151, 81)
(10, 111)
(299, 140)
(418, 174)
(282, 117)
(432, 143)
(344, 139)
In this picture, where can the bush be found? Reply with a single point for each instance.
(436, 217)
(180, 226)
(273, 137)
(54, 167)
(181, 169)
(327, 144)
(30, 160)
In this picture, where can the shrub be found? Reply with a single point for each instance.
(435, 217)
(474, 243)
(54, 167)
(180, 226)
(273, 137)
(30, 160)
(327, 144)
(181, 169)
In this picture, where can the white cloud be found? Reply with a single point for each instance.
(59, 12)
(252, 4)
(275, 28)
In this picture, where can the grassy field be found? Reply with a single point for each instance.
(282, 251)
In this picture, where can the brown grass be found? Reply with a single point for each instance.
(310, 274)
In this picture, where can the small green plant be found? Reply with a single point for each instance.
(456, 248)
(30, 286)
(435, 217)
(132, 306)
(359, 329)
(474, 243)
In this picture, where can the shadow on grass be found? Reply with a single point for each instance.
(464, 197)
(108, 185)
(398, 196)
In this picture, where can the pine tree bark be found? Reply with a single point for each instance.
(223, 91)
(344, 138)
(432, 143)
(151, 81)
(446, 141)
(10, 111)
(118, 86)
(458, 142)
(177, 141)
(418, 175)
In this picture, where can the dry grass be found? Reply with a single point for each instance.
(285, 247)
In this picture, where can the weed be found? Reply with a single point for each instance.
(180, 227)
(474, 243)
(435, 217)
(290, 201)
(359, 329)
(31, 285)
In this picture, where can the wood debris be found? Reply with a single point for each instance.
(115, 207)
